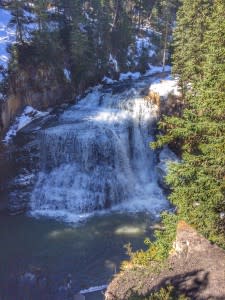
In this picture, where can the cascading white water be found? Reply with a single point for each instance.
(98, 157)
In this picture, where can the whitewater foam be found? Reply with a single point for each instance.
(97, 158)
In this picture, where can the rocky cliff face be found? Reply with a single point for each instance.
(195, 267)
(37, 88)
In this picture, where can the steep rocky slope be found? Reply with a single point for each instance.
(195, 267)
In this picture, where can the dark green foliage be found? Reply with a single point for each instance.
(144, 59)
(192, 23)
(18, 20)
(80, 35)
(167, 10)
(198, 181)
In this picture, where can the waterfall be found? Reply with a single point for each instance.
(97, 157)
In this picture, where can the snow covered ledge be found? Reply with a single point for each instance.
(29, 114)
(165, 87)
(165, 94)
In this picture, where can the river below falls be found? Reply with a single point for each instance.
(46, 259)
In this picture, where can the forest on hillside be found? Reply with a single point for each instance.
(198, 182)
(88, 39)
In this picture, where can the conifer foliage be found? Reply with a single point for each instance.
(198, 181)
(81, 36)
(192, 23)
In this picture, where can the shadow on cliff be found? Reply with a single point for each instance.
(191, 284)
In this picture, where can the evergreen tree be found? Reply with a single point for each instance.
(192, 23)
(198, 181)
(40, 10)
(101, 34)
(18, 20)
(121, 31)
(81, 50)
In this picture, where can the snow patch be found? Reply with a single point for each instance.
(157, 69)
(129, 75)
(52, 9)
(82, 28)
(113, 62)
(165, 87)
(147, 29)
(67, 74)
(144, 43)
(108, 80)
(7, 36)
(29, 114)
(165, 84)
(91, 20)
(93, 289)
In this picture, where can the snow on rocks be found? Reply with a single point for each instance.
(157, 69)
(67, 74)
(144, 43)
(129, 75)
(108, 80)
(29, 114)
(52, 9)
(122, 77)
(7, 36)
(93, 289)
(148, 30)
(164, 88)
(82, 28)
(165, 84)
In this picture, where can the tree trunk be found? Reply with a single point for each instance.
(116, 17)
(165, 46)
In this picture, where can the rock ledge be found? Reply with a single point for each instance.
(195, 267)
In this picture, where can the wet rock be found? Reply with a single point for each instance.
(166, 156)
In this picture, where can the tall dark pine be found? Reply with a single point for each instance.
(18, 20)
(192, 23)
(198, 181)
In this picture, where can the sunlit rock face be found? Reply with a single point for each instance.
(97, 157)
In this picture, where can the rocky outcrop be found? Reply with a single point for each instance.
(165, 94)
(37, 88)
(195, 268)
